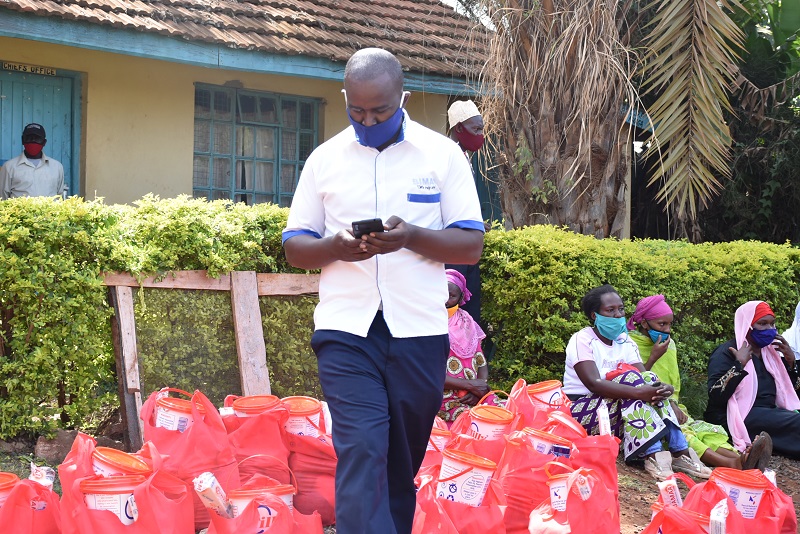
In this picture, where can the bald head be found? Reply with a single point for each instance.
(371, 64)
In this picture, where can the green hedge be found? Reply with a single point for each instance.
(56, 358)
(534, 279)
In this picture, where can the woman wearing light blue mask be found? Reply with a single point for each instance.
(603, 366)
(651, 329)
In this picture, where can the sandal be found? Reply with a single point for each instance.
(760, 453)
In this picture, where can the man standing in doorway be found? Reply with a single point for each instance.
(32, 173)
(466, 129)
(381, 323)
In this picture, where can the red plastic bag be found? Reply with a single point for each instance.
(564, 425)
(266, 513)
(257, 435)
(598, 453)
(429, 516)
(775, 513)
(622, 368)
(31, 509)
(163, 503)
(524, 481)
(204, 446)
(673, 520)
(532, 414)
(313, 462)
(597, 513)
(488, 517)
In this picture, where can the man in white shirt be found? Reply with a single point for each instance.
(32, 173)
(381, 324)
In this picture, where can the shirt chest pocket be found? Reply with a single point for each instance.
(423, 205)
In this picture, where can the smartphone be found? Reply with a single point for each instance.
(656, 384)
(367, 226)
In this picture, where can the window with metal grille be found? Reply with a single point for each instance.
(250, 146)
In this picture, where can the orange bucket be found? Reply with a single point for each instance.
(108, 462)
(304, 416)
(547, 392)
(114, 494)
(255, 405)
(547, 443)
(489, 422)
(7, 483)
(745, 488)
(438, 440)
(173, 413)
(464, 477)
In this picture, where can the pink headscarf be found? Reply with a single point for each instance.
(649, 308)
(742, 400)
(458, 279)
(465, 333)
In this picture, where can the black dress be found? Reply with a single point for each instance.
(725, 374)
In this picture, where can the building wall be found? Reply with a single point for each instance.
(137, 115)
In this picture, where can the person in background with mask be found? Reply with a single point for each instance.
(650, 327)
(753, 383)
(381, 323)
(603, 367)
(32, 173)
(466, 129)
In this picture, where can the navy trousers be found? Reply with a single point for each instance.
(383, 394)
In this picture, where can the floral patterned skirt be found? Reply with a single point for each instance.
(638, 424)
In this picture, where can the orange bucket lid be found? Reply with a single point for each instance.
(748, 479)
(547, 436)
(491, 414)
(302, 405)
(255, 404)
(179, 405)
(128, 463)
(8, 480)
(111, 485)
(547, 385)
(469, 459)
(244, 493)
(440, 432)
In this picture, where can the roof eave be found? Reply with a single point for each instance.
(90, 36)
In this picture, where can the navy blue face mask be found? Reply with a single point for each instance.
(762, 338)
(378, 134)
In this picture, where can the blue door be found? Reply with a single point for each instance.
(48, 100)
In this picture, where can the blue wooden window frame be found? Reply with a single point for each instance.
(250, 146)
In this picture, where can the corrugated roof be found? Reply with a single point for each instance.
(426, 35)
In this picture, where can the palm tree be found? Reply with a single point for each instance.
(559, 74)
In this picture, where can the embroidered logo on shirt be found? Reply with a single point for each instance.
(424, 190)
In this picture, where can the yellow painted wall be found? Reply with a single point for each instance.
(138, 115)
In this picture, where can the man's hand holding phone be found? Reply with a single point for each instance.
(395, 235)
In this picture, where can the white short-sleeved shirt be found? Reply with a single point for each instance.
(425, 180)
(584, 345)
(20, 177)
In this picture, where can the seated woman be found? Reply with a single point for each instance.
(603, 366)
(753, 381)
(652, 319)
(467, 371)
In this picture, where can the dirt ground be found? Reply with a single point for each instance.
(638, 490)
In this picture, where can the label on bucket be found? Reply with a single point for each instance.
(436, 443)
(488, 431)
(172, 420)
(302, 425)
(746, 499)
(469, 488)
(122, 504)
(558, 494)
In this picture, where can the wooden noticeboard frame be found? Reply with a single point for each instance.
(245, 288)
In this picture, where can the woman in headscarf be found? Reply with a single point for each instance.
(753, 381)
(650, 328)
(467, 371)
(603, 366)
